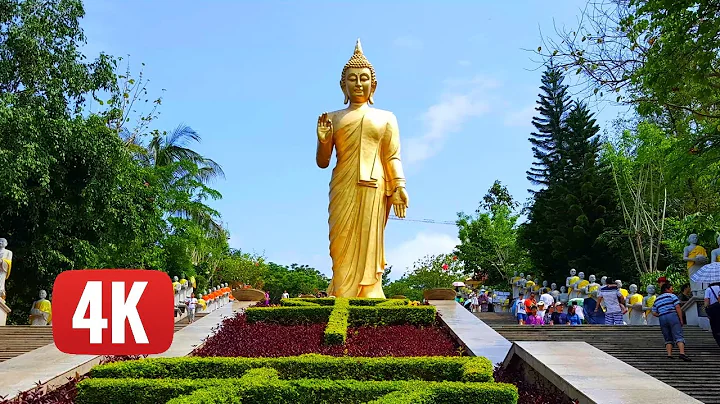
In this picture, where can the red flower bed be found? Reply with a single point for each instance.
(237, 337)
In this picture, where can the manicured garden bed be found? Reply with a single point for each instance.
(307, 379)
(237, 337)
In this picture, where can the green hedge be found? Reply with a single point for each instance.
(313, 366)
(393, 302)
(288, 315)
(297, 303)
(260, 389)
(336, 329)
(392, 315)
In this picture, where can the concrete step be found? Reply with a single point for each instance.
(639, 346)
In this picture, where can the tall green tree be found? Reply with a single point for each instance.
(553, 105)
(432, 271)
(488, 241)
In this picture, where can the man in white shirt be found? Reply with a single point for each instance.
(547, 298)
(520, 309)
(191, 305)
(286, 295)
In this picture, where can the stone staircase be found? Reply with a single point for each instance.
(639, 346)
(16, 340)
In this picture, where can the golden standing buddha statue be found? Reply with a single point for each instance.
(367, 180)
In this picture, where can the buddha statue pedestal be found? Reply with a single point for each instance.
(4, 311)
(694, 310)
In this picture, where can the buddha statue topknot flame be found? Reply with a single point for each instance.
(366, 182)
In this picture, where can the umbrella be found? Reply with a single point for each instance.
(458, 283)
(709, 273)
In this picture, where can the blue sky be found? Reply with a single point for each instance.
(252, 77)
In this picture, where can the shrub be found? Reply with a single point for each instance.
(439, 368)
(401, 340)
(392, 315)
(297, 303)
(394, 302)
(336, 330)
(309, 378)
(259, 389)
(288, 315)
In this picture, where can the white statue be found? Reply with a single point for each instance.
(563, 297)
(580, 286)
(647, 303)
(513, 284)
(715, 254)
(554, 292)
(521, 283)
(5, 266)
(570, 281)
(591, 286)
(696, 257)
(41, 311)
(635, 308)
(603, 282)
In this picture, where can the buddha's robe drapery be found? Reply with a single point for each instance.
(636, 316)
(698, 250)
(367, 172)
(41, 313)
(570, 284)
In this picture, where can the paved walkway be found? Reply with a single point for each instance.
(591, 376)
(478, 337)
(51, 367)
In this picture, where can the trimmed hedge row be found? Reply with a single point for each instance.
(394, 302)
(263, 386)
(359, 315)
(297, 303)
(391, 315)
(336, 329)
(312, 366)
(288, 315)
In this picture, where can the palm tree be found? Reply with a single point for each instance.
(190, 170)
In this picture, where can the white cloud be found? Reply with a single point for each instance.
(402, 256)
(520, 118)
(408, 42)
(464, 62)
(464, 99)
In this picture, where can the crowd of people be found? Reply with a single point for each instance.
(476, 301)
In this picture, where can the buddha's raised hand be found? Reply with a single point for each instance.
(324, 127)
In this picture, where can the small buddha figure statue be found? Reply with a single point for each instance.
(41, 311)
(513, 282)
(6, 257)
(521, 284)
(529, 286)
(603, 282)
(591, 286)
(647, 304)
(715, 254)
(367, 180)
(581, 286)
(554, 292)
(176, 284)
(571, 280)
(696, 257)
(625, 293)
(544, 286)
(636, 314)
(564, 296)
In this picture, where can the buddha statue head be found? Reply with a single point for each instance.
(603, 280)
(3, 243)
(522, 275)
(529, 278)
(544, 283)
(562, 289)
(175, 279)
(553, 286)
(573, 272)
(592, 278)
(692, 239)
(718, 241)
(358, 81)
(515, 273)
(633, 288)
(42, 295)
(581, 275)
(650, 290)
(618, 282)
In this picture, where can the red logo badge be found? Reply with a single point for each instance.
(113, 312)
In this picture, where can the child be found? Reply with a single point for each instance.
(534, 318)
(573, 317)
